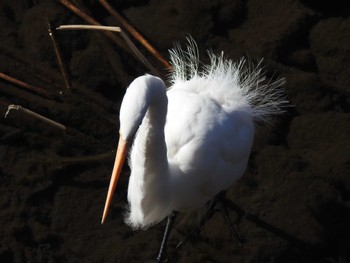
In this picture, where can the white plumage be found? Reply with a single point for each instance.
(194, 139)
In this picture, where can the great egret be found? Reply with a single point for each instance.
(194, 139)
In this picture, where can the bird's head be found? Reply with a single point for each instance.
(143, 91)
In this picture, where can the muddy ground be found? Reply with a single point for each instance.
(293, 203)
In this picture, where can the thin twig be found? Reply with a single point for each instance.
(35, 115)
(25, 85)
(65, 76)
(125, 24)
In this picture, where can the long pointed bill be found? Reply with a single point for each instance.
(118, 164)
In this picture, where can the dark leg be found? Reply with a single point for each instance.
(209, 213)
(224, 202)
(221, 197)
(228, 222)
(167, 231)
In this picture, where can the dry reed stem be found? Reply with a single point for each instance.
(139, 54)
(35, 115)
(63, 69)
(89, 27)
(132, 46)
(25, 85)
(55, 124)
(128, 27)
(91, 21)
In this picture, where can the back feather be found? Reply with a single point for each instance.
(234, 85)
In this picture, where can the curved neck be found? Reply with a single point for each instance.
(148, 192)
(149, 153)
(145, 102)
(151, 139)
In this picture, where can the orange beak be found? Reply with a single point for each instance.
(122, 151)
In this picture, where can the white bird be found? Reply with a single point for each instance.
(193, 140)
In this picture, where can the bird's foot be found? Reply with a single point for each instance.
(209, 213)
(218, 203)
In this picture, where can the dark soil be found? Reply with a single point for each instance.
(293, 203)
